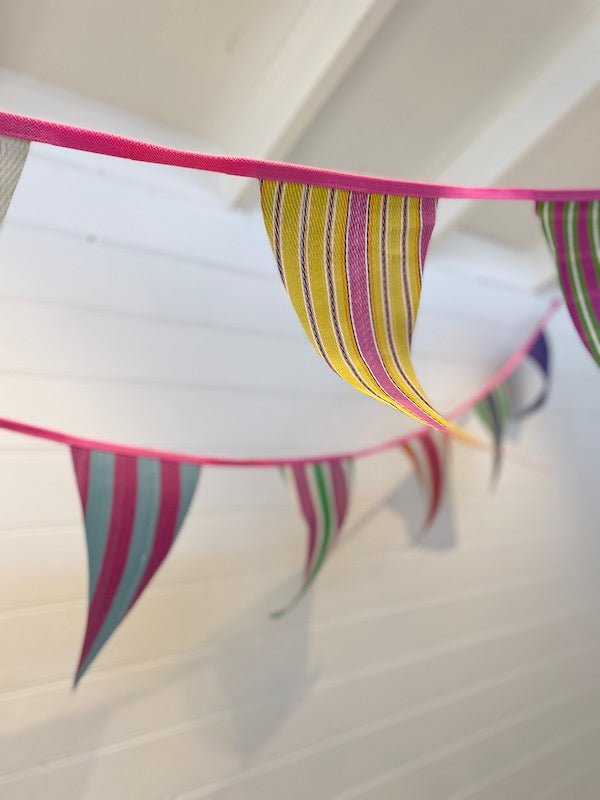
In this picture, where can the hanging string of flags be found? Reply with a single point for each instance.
(350, 250)
(134, 500)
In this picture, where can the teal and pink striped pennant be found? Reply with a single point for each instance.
(572, 230)
(323, 493)
(427, 454)
(133, 509)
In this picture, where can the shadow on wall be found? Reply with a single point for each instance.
(407, 501)
(277, 666)
(264, 676)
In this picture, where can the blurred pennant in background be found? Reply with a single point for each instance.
(507, 402)
(427, 454)
(133, 509)
(322, 492)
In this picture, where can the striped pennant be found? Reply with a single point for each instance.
(494, 411)
(572, 230)
(323, 494)
(504, 403)
(13, 154)
(133, 509)
(352, 265)
(427, 454)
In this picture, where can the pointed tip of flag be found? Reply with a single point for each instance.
(81, 670)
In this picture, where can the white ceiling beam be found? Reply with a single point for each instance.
(328, 37)
(562, 83)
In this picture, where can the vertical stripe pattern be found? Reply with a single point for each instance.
(427, 454)
(322, 491)
(13, 154)
(572, 230)
(133, 509)
(505, 404)
(352, 265)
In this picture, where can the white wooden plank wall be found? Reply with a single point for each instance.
(133, 307)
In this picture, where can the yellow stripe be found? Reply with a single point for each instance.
(291, 215)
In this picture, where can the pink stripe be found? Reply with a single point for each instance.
(117, 548)
(435, 473)
(170, 494)
(308, 512)
(340, 492)
(81, 463)
(496, 379)
(356, 266)
(428, 208)
(55, 133)
(587, 263)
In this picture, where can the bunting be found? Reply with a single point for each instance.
(133, 509)
(322, 491)
(503, 403)
(427, 454)
(13, 154)
(494, 411)
(352, 264)
(572, 230)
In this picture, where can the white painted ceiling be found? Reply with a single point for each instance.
(470, 91)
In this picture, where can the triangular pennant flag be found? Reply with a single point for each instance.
(323, 494)
(572, 230)
(503, 403)
(495, 411)
(352, 264)
(133, 509)
(427, 454)
(13, 154)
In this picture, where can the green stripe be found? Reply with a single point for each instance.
(593, 224)
(576, 278)
(324, 503)
(483, 412)
(503, 396)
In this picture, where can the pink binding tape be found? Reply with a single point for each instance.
(215, 461)
(55, 133)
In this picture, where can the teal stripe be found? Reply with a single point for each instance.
(188, 475)
(142, 540)
(98, 511)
